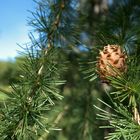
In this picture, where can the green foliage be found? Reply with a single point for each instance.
(24, 114)
(70, 35)
(120, 121)
(30, 100)
(121, 27)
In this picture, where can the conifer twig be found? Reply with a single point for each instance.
(55, 26)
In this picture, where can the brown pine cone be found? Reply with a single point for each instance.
(111, 62)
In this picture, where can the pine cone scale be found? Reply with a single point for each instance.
(110, 58)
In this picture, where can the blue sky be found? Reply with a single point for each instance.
(13, 26)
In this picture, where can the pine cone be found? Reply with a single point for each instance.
(111, 62)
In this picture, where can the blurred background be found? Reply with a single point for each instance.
(13, 31)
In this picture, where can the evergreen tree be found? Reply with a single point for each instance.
(62, 62)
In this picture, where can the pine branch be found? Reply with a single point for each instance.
(120, 27)
(24, 114)
(54, 28)
(125, 127)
